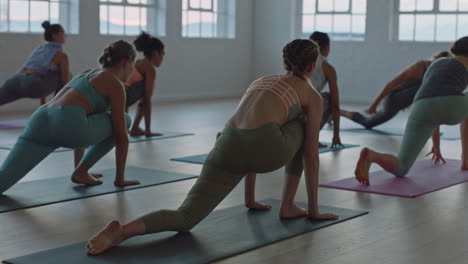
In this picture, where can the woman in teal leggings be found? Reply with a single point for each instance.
(264, 134)
(440, 100)
(78, 117)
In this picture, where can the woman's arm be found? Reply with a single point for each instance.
(331, 76)
(150, 79)
(119, 127)
(436, 154)
(415, 71)
(61, 59)
(311, 156)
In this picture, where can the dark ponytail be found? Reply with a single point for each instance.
(460, 47)
(50, 30)
(147, 44)
(298, 54)
(117, 52)
(322, 39)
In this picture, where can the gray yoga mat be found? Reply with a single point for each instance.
(55, 190)
(395, 127)
(222, 234)
(200, 159)
(131, 139)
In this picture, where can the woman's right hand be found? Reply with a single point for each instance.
(322, 216)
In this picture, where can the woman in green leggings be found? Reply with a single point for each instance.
(78, 117)
(264, 134)
(440, 100)
(397, 95)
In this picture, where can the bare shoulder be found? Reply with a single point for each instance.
(105, 82)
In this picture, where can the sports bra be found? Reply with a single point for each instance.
(82, 84)
(284, 91)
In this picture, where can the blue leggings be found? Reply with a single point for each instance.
(392, 104)
(427, 114)
(30, 85)
(52, 127)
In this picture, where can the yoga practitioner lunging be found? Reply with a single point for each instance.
(440, 100)
(265, 133)
(397, 95)
(140, 86)
(78, 117)
(45, 71)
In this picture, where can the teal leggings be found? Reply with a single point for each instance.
(52, 127)
(237, 152)
(427, 114)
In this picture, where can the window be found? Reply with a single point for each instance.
(28, 15)
(341, 19)
(130, 17)
(432, 20)
(208, 18)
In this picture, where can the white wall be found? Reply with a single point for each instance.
(193, 68)
(363, 67)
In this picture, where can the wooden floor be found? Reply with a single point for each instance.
(428, 229)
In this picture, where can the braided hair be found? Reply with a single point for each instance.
(298, 54)
(116, 52)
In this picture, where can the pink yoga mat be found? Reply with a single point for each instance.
(13, 123)
(424, 177)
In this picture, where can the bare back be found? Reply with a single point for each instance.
(258, 107)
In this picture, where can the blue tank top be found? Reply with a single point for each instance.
(42, 56)
(444, 77)
(82, 84)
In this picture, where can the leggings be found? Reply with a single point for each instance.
(236, 152)
(134, 92)
(52, 127)
(29, 85)
(427, 114)
(392, 104)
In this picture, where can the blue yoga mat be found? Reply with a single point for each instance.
(222, 234)
(131, 139)
(200, 159)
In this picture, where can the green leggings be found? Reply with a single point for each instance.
(52, 127)
(427, 114)
(236, 152)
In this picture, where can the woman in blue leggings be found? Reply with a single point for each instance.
(45, 71)
(397, 95)
(78, 116)
(440, 100)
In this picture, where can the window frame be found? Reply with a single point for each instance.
(222, 20)
(300, 14)
(435, 11)
(64, 20)
(154, 6)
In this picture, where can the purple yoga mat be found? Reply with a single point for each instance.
(13, 123)
(424, 177)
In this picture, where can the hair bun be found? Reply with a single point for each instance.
(45, 24)
(143, 41)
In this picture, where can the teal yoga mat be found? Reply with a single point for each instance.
(130, 138)
(200, 159)
(222, 234)
(55, 190)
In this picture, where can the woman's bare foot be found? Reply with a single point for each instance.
(84, 178)
(288, 211)
(258, 206)
(347, 114)
(97, 175)
(321, 145)
(136, 132)
(362, 167)
(109, 237)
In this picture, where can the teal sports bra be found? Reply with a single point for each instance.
(82, 84)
